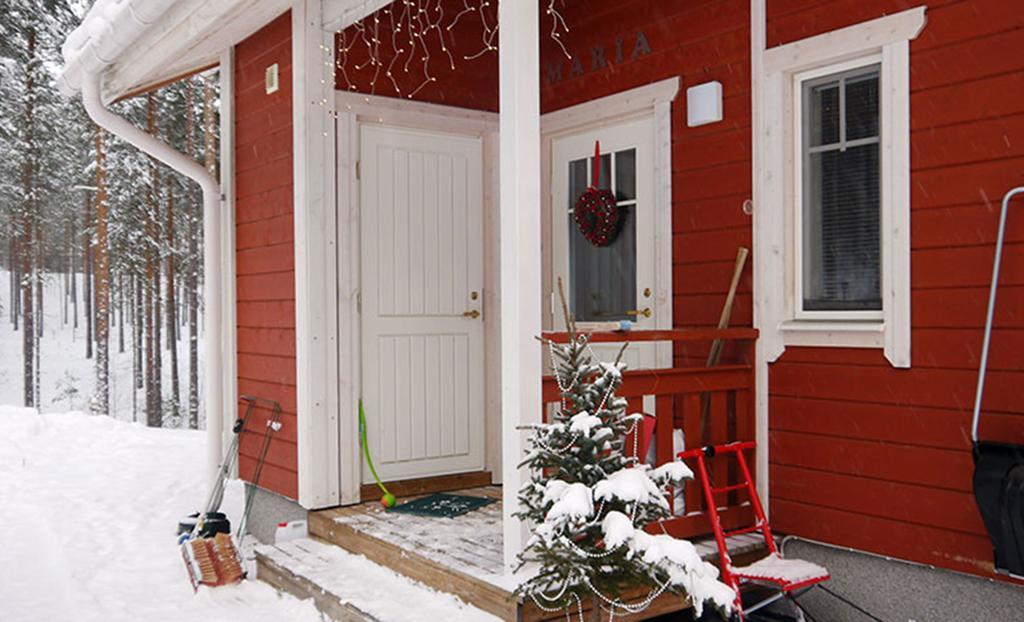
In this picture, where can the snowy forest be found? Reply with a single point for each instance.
(100, 245)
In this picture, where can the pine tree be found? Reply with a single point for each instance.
(589, 502)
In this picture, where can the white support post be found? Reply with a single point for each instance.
(316, 342)
(520, 256)
(765, 350)
(229, 341)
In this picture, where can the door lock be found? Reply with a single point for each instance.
(645, 312)
(471, 314)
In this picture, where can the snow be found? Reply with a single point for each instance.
(574, 502)
(369, 587)
(67, 378)
(583, 423)
(776, 568)
(675, 472)
(617, 529)
(631, 486)
(90, 505)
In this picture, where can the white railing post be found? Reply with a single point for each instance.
(520, 257)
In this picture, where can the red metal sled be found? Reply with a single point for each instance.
(787, 575)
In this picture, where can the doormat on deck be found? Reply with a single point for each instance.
(442, 505)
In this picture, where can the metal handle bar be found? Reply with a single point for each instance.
(991, 310)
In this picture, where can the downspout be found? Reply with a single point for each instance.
(152, 146)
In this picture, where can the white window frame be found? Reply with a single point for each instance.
(884, 41)
(798, 312)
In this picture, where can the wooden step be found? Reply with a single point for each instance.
(463, 556)
(349, 588)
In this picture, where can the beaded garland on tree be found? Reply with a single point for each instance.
(589, 502)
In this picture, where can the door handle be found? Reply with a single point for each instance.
(646, 312)
(471, 314)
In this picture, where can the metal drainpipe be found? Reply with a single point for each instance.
(213, 391)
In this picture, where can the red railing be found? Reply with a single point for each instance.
(724, 393)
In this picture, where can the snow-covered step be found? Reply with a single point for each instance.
(350, 588)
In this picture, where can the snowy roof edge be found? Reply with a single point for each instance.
(107, 30)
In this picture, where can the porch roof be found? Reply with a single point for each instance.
(138, 45)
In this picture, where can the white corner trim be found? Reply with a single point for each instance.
(764, 263)
(896, 293)
(229, 306)
(349, 345)
(852, 41)
(316, 353)
(634, 101)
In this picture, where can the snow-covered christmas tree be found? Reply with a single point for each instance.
(588, 501)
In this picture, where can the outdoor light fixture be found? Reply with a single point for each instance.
(704, 104)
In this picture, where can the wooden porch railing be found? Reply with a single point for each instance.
(680, 394)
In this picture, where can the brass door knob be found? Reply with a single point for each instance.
(471, 314)
(645, 312)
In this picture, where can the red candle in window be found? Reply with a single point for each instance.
(596, 212)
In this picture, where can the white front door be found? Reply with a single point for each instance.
(422, 301)
(615, 282)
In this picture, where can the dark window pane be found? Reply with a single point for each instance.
(862, 106)
(822, 105)
(603, 278)
(841, 235)
(625, 175)
(578, 180)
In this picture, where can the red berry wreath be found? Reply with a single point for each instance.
(596, 213)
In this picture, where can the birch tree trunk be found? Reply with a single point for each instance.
(87, 274)
(154, 417)
(102, 281)
(172, 341)
(27, 227)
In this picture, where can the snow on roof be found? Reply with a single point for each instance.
(107, 30)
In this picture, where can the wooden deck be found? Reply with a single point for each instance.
(460, 556)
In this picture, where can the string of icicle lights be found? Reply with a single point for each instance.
(407, 30)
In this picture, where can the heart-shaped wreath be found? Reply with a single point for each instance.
(596, 212)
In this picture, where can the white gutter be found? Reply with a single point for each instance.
(211, 253)
(107, 30)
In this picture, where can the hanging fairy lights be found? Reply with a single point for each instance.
(400, 39)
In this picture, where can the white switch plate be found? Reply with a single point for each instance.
(704, 104)
(272, 79)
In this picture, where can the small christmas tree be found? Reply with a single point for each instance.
(589, 502)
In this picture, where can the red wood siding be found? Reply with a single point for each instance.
(697, 41)
(876, 458)
(264, 251)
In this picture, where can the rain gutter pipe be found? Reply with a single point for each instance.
(188, 167)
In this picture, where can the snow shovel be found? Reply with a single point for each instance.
(999, 467)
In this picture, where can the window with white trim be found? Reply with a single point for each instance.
(838, 217)
(832, 189)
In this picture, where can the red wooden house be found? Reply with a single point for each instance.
(393, 224)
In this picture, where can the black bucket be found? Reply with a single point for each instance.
(999, 493)
(216, 522)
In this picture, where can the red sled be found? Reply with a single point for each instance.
(788, 577)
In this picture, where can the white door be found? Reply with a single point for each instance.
(614, 282)
(422, 279)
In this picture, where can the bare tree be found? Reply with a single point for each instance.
(102, 281)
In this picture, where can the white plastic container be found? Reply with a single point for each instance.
(292, 530)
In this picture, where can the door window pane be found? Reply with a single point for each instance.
(602, 279)
(841, 198)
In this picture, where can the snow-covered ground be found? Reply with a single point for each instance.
(88, 508)
(67, 378)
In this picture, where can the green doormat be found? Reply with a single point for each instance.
(442, 505)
